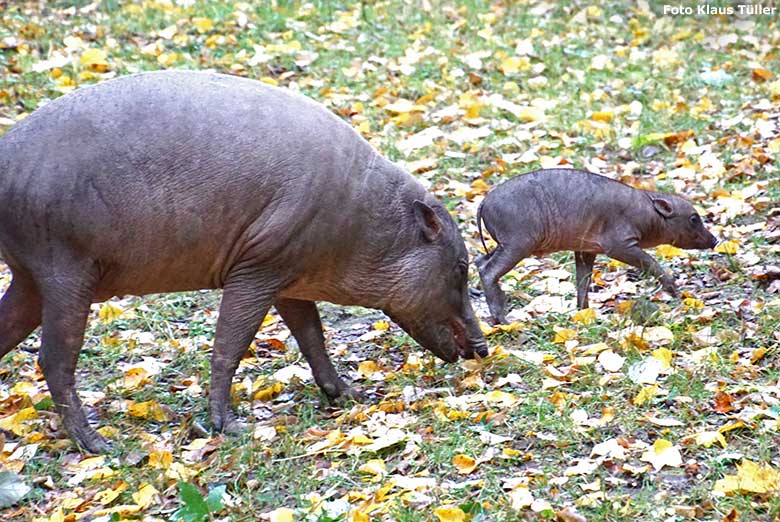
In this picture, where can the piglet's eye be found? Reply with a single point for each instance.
(695, 219)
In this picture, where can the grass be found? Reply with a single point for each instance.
(591, 59)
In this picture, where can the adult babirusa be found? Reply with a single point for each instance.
(175, 181)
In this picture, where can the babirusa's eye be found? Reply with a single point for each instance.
(695, 219)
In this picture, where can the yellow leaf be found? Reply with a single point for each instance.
(72, 503)
(281, 515)
(501, 398)
(464, 463)
(179, 471)
(664, 355)
(203, 24)
(382, 326)
(708, 438)
(109, 312)
(645, 394)
(167, 59)
(148, 410)
(95, 60)
(107, 496)
(585, 316)
(693, 304)
(774, 88)
(513, 64)
(511, 452)
(669, 251)
(269, 81)
(449, 514)
(603, 116)
(270, 393)
(757, 355)
(14, 423)
(123, 510)
(374, 467)
(145, 496)
(663, 453)
(479, 186)
(727, 247)
(160, 459)
(135, 378)
(564, 334)
(57, 516)
(751, 478)
(737, 424)
(368, 368)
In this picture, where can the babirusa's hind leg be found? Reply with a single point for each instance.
(66, 301)
(501, 261)
(20, 312)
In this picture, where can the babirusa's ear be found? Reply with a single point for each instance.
(427, 220)
(663, 206)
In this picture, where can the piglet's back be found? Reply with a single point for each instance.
(557, 209)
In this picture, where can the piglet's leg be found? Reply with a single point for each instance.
(303, 320)
(491, 269)
(583, 262)
(635, 256)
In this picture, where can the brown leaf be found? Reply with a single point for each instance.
(569, 514)
(673, 138)
(761, 75)
(723, 402)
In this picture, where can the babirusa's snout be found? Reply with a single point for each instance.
(473, 343)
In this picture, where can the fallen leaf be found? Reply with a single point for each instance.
(145, 496)
(611, 361)
(751, 477)
(585, 316)
(464, 464)
(708, 438)
(727, 247)
(450, 514)
(662, 453)
(12, 489)
(281, 515)
(564, 334)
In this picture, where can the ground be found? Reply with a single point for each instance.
(647, 408)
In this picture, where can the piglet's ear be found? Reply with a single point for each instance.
(427, 220)
(663, 206)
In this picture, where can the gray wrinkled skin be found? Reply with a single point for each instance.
(175, 181)
(564, 209)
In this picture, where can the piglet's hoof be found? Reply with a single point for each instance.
(348, 396)
(228, 423)
(669, 286)
(497, 320)
(234, 427)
